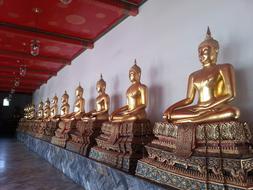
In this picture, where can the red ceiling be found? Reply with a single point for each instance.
(63, 31)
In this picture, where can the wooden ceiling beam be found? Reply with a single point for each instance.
(8, 75)
(33, 72)
(22, 81)
(30, 70)
(129, 8)
(18, 55)
(9, 88)
(11, 85)
(57, 37)
(17, 91)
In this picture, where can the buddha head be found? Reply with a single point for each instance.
(208, 50)
(40, 105)
(55, 100)
(135, 73)
(47, 103)
(79, 91)
(65, 98)
(101, 85)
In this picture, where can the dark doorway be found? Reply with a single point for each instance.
(10, 115)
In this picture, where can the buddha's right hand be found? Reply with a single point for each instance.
(166, 116)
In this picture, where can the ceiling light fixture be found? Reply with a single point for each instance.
(22, 70)
(66, 2)
(16, 82)
(35, 47)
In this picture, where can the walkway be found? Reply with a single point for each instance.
(21, 169)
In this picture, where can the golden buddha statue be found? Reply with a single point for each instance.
(136, 99)
(102, 104)
(54, 108)
(40, 113)
(32, 112)
(47, 109)
(26, 112)
(215, 86)
(65, 106)
(120, 136)
(79, 104)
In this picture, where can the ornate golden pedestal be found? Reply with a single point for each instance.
(61, 134)
(41, 126)
(122, 144)
(82, 136)
(205, 156)
(22, 125)
(49, 130)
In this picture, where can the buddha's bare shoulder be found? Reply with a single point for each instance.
(195, 73)
(143, 86)
(225, 66)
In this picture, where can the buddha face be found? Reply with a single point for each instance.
(100, 88)
(47, 103)
(134, 76)
(64, 99)
(208, 55)
(55, 100)
(79, 93)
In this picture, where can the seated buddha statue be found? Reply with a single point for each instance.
(79, 104)
(83, 132)
(128, 130)
(26, 112)
(32, 112)
(136, 99)
(47, 109)
(40, 112)
(64, 110)
(64, 117)
(213, 84)
(102, 104)
(54, 109)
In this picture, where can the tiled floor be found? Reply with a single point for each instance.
(21, 169)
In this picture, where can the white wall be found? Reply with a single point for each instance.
(164, 38)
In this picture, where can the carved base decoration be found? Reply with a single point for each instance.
(82, 136)
(33, 127)
(41, 126)
(221, 156)
(122, 144)
(49, 130)
(23, 125)
(61, 134)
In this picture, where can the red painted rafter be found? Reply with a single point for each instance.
(23, 80)
(18, 55)
(31, 66)
(11, 76)
(28, 75)
(22, 86)
(35, 80)
(16, 70)
(56, 37)
(129, 8)
(10, 86)
(30, 70)
(17, 91)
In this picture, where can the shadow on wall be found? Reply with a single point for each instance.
(116, 99)
(155, 100)
(92, 100)
(155, 96)
(244, 94)
(243, 76)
